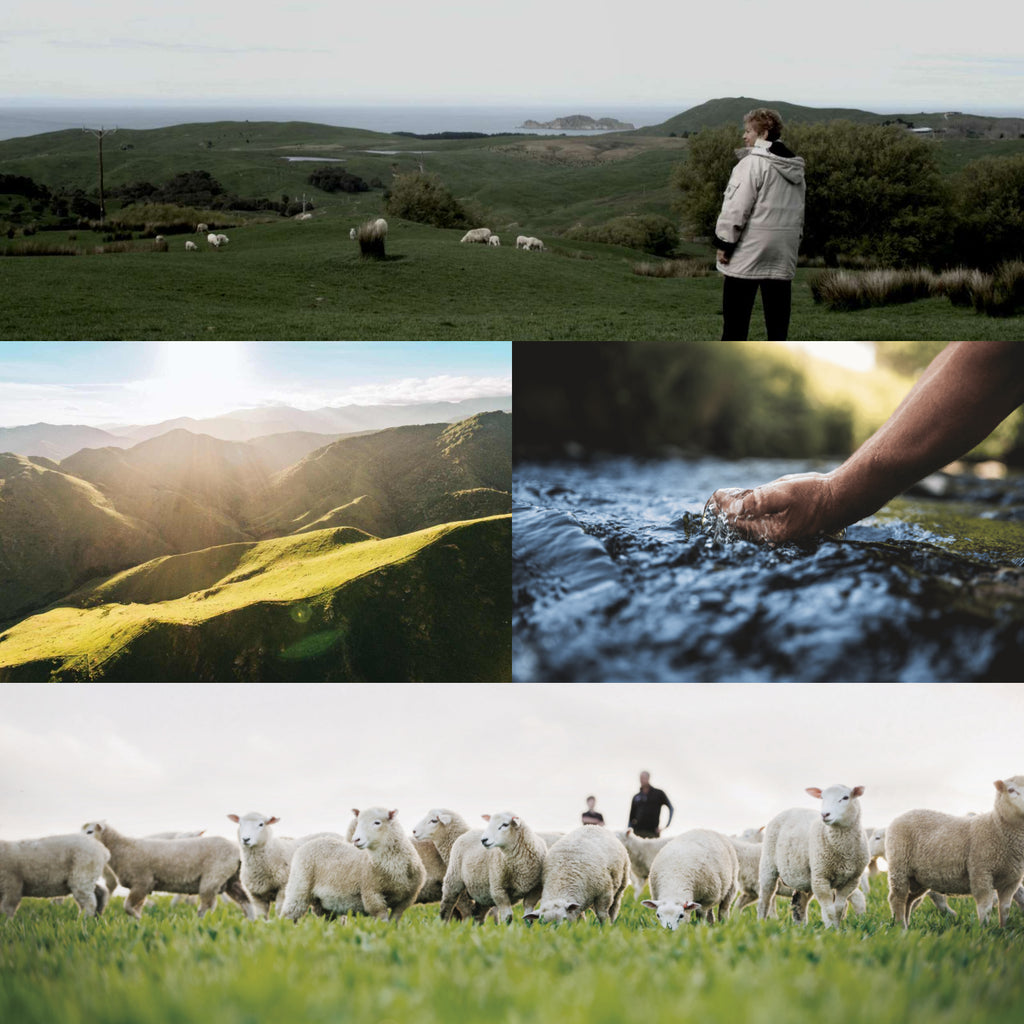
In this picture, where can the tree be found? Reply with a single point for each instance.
(702, 179)
(988, 206)
(337, 179)
(423, 198)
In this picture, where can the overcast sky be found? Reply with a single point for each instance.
(918, 54)
(96, 383)
(154, 757)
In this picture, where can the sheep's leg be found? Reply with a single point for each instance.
(85, 897)
(984, 893)
(799, 903)
(613, 911)
(400, 908)
(744, 899)
(375, 905)
(110, 878)
(602, 905)
(453, 894)
(10, 901)
(237, 892)
(1018, 897)
(940, 901)
(768, 883)
(1005, 898)
(298, 896)
(858, 904)
(135, 901)
(899, 897)
(261, 906)
(503, 905)
(102, 897)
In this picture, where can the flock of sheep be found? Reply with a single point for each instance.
(379, 870)
(484, 236)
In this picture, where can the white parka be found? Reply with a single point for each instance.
(762, 214)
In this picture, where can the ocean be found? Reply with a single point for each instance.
(18, 120)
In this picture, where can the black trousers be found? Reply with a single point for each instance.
(738, 295)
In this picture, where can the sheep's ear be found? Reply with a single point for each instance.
(572, 906)
(531, 915)
(445, 819)
(515, 819)
(857, 791)
(691, 905)
(629, 831)
(1000, 785)
(233, 817)
(202, 831)
(486, 817)
(355, 811)
(391, 814)
(273, 821)
(816, 793)
(653, 904)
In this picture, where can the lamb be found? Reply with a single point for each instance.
(206, 865)
(641, 855)
(214, 240)
(586, 869)
(222, 240)
(516, 874)
(433, 863)
(494, 240)
(468, 876)
(694, 873)
(476, 235)
(201, 229)
(352, 233)
(534, 245)
(978, 856)
(191, 246)
(379, 873)
(439, 829)
(818, 855)
(266, 859)
(54, 866)
(748, 855)
(522, 241)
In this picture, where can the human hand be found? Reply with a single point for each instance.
(797, 505)
(723, 256)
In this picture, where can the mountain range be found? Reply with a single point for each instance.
(185, 500)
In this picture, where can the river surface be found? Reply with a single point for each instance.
(617, 577)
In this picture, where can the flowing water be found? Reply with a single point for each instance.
(618, 577)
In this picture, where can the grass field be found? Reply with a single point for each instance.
(175, 969)
(290, 280)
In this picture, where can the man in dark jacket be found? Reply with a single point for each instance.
(645, 810)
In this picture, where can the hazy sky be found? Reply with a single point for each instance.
(144, 382)
(909, 56)
(154, 757)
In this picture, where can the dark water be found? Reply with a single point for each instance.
(616, 578)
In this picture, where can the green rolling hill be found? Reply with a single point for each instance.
(329, 605)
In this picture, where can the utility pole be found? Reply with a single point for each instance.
(99, 133)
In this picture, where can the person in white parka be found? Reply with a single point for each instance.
(759, 229)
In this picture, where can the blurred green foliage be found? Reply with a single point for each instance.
(733, 399)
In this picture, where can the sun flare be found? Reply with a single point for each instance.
(201, 378)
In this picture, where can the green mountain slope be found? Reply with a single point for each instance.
(397, 480)
(331, 605)
(56, 531)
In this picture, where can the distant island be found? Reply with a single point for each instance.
(581, 123)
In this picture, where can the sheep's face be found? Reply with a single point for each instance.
(434, 820)
(555, 912)
(93, 828)
(838, 804)
(254, 829)
(876, 843)
(500, 830)
(371, 828)
(1011, 794)
(671, 913)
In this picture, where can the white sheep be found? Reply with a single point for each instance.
(516, 874)
(214, 240)
(522, 241)
(352, 233)
(378, 873)
(468, 876)
(476, 235)
(751, 835)
(303, 216)
(440, 828)
(550, 838)
(191, 246)
(695, 872)
(202, 228)
(266, 859)
(222, 240)
(641, 855)
(158, 239)
(535, 245)
(980, 856)
(434, 865)
(586, 869)
(820, 855)
(53, 866)
(381, 227)
(206, 865)
(494, 240)
(748, 855)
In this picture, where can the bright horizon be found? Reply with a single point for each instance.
(729, 756)
(908, 57)
(128, 383)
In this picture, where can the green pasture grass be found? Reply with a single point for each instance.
(173, 968)
(305, 280)
(306, 604)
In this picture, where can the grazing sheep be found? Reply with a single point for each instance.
(494, 240)
(476, 235)
(820, 855)
(222, 240)
(53, 866)
(522, 241)
(694, 873)
(158, 238)
(586, 869)
(980, 856)
(201, 229)
(191, 246)
(516, 874)
(214, 240)
(641, 855)
(206, 865)
(266, 859)
(303, 216)
(748, 856)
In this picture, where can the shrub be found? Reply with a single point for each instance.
(847, 290)
(423, 198)
(988, 207)
(675, 268)
(649, 232)
(960, 284)
(1002, 292)
(39, 249)
(332, 178)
